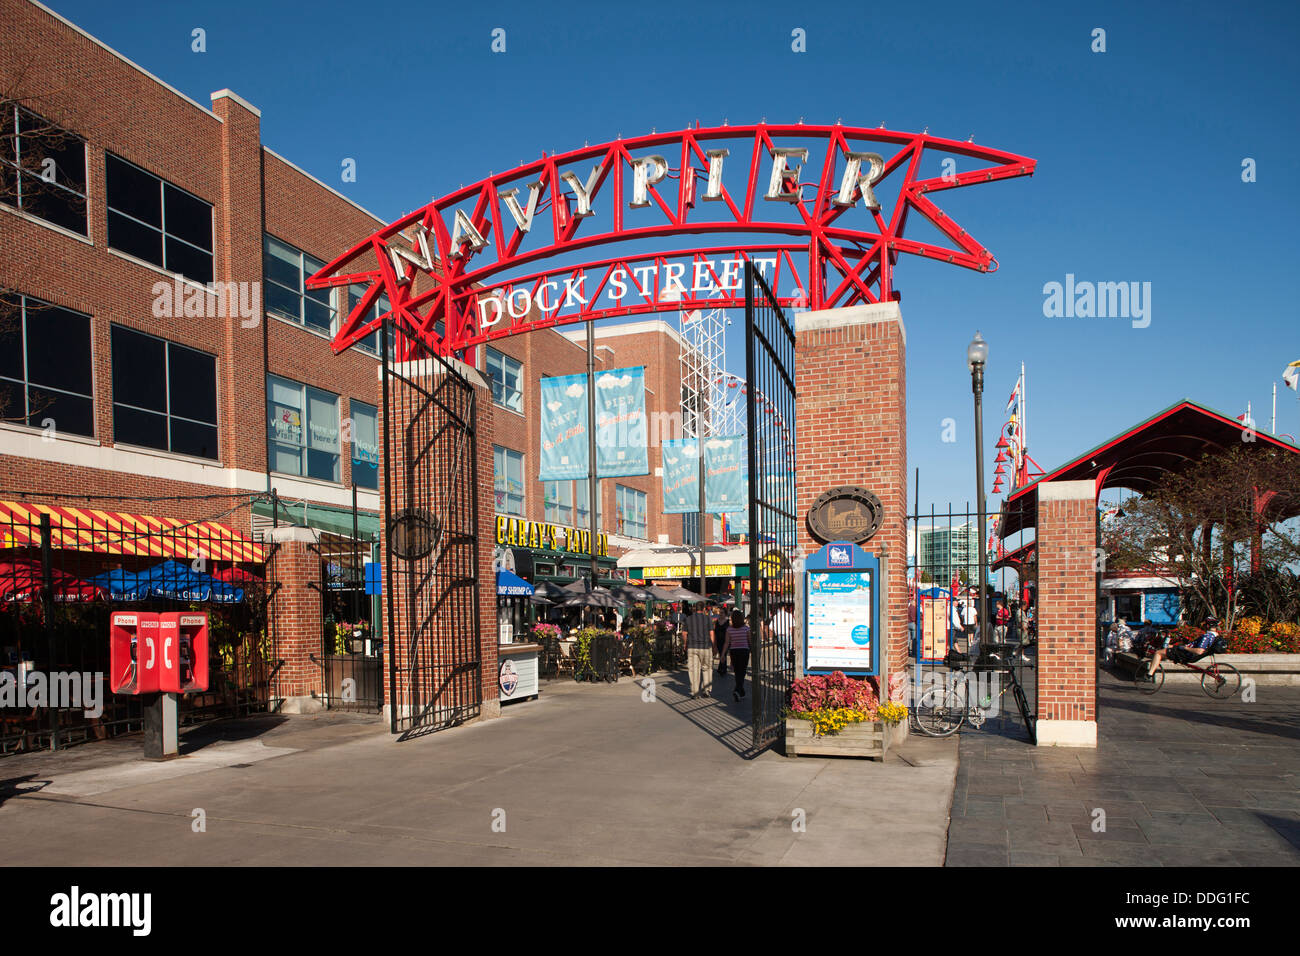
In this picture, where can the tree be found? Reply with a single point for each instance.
(1198, 528)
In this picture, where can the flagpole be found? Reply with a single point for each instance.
(1273, 427)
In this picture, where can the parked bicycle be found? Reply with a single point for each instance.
(942, 710)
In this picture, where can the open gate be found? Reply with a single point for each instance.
(430, 539)
(773, 527)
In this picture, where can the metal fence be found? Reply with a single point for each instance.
(64, 571)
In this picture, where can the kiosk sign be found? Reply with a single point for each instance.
(841, 607)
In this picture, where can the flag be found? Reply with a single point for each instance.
(1291, 375)
(1015, 395)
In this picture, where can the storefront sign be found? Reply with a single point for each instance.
(848, 513)
(685, 571)
(517, 532)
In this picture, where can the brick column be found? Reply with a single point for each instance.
(851, 424)
(298, 620)
(1067, 614)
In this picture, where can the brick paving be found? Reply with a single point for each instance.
(1183, 780)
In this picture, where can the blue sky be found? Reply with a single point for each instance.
(1139, 151)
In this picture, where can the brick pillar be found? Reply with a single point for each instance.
(298, 619)
(851, 424)
(443, 589)
(1067, 614)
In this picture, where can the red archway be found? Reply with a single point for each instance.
(459, 278)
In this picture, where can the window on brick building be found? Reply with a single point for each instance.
(631, 506)
(582, 505)
(303, 424)
(42, 169)
(370, 344)
(153, 220)
(45, 366)
(164, 394)
(508, 480)
(507, 380)
(365, 444)
(558, 497)
(286, 271)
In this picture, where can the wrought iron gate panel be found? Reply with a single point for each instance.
(773, 527)
(431, 596)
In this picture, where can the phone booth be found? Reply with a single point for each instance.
(185, 652)
(133, 653)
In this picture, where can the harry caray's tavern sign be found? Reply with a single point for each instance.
(848, 513)
(821, 211)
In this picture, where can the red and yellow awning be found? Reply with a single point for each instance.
(114, 532)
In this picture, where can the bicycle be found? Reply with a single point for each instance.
(1219, 681)
(941, 711)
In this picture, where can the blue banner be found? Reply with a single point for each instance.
(621, 423)
(726, 478)
(564, 428)
(681, 475)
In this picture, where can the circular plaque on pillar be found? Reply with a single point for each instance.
(848, 513)
(412, 533)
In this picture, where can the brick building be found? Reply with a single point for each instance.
(161, 355)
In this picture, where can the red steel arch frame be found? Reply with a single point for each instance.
(477, 288)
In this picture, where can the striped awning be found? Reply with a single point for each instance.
(114, 532)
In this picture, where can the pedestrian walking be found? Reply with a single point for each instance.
(720, 638)
(737, 646)
(1000, 622)
(699, 650)
(783, 628)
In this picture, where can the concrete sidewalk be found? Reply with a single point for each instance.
(588, 774)
(1182, 780)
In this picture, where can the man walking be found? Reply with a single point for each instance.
(699, 649)
(783, 628)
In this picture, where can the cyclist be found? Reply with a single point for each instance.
(1186, 653)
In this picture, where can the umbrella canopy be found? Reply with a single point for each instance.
(551, 592)
(239, 576)
(598, 597)
(170, 579)
(22, 580)
(684, 594)
(661, 594)
(630, 593)
(536, 598)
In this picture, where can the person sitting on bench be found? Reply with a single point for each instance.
(1186, 653)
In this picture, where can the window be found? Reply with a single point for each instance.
(45, 366)
(356, 293)
(365, 444)
(558, 497)
(631, 511)
(582, 505)
(286, 270)
(304, 429)
(507, 380)
(164, 394)
(42, 169)
(508, 480)
(541, 568)
(153, 220)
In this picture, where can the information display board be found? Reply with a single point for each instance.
(934, 609)
(841, 611)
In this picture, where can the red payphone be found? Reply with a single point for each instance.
(133, 652)
(184, 641)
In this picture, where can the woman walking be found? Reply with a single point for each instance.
(737, 643)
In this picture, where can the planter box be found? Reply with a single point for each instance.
(867, 739)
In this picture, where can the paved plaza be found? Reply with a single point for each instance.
(588, 774)
(1183, 780)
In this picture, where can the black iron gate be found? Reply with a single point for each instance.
(431, 581)
(773, 527)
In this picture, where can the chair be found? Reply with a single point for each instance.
(566, 660)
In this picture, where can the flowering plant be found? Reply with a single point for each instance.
(832, 701)
(836, 690)
(892, 712)
(543, 631)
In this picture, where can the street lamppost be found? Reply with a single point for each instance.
(977, 355)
